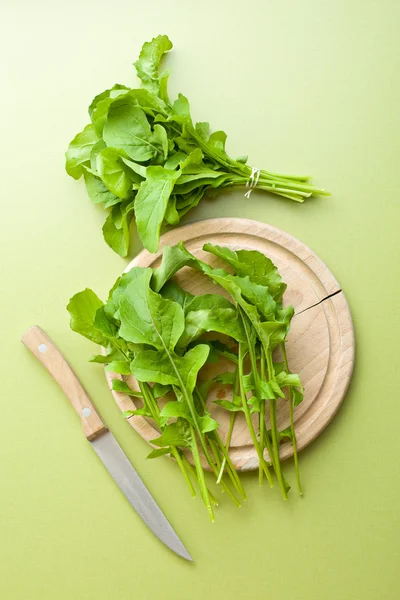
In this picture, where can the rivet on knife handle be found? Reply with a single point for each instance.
(50, 356)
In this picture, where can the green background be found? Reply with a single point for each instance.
(309, 86)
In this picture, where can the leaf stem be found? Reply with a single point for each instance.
(274, 430)
(248, 418)
(200, 474)
(292, 429)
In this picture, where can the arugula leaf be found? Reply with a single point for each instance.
(78, 153)
(116, 228)
(112, 93)
(207, 423)
(156, 365)
(122, 367)
(151, 203)
(227, 377)
(148, 64)
(176, 409)
(159, 391)
(122, 386)
(127, 128)
(172, 291)
(173, 259)
(158, 452)
(98, 192)
(220, 320)
(113, 172)
(83, 308)
(252, 263)
(175, 434)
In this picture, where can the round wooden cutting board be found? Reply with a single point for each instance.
(320, 344)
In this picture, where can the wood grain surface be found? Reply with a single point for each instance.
(320, 344)
(45, 350)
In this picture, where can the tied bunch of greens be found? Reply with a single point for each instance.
(154, 330)
(142, 156)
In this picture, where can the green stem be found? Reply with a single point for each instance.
(152, 405)
(274, 430)
(227, 444)
(231, 469)
(192, 472)
(248, 419)
(265, 433)
(176, 454)
(261, 424)
(292, 429)
(200, 474)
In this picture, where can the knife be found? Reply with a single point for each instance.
(102, 440)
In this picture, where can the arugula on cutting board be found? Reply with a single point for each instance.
(154, 330)
(143, 157)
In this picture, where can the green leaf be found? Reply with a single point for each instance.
(154, 366)
(171, 214)
(223, 350)
(107, 358)
(229, 406)
(297, 396)
(97, 191)
(284, 379)
(173, 259)
(256, 265)
(255, 405)
(103, 324)
(181, 106)
(159, 391)
(207, 302)
(158, 452)
(172, 291)
(176, 409)
(167, 369)
(113, 172)
(227, 377)
(112, 305)
(122, 386)
(151, 204)
(148, 64)
(134, 313)
(221, 320)
(147, 318)
(116, 228)
(160, 139)
(217, 140)
(207, 423)
(78, 153)
(175, 434)
(127, 128)
(174, 160)
(258, 295)
(203, 129)
(98, 147)
(83, 308)
(122, 367)
(112, 93)
(142, 412)
(138, 172)
(285, 433)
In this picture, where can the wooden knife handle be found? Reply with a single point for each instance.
(50, 356)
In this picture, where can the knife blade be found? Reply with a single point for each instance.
(102, 440)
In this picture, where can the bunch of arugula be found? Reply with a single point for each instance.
(153, 329)
(142, 156)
